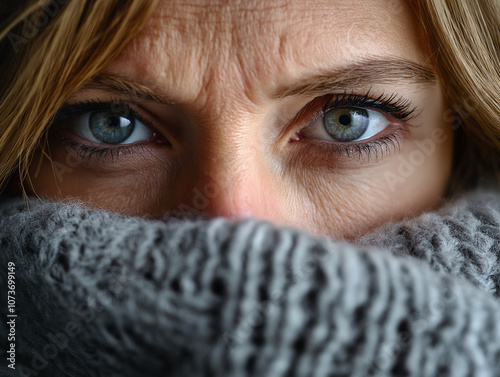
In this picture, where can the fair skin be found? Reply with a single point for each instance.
(229, 98)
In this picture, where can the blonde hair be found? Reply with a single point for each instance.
(51, 49)
(74, 40)
(466, 38)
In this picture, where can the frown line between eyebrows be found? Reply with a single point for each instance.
(364, 73)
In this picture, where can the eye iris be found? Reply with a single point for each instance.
(346, 124)
(110, 128)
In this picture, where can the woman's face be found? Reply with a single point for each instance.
(322, 114)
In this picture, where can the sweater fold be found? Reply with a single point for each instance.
(100, 294)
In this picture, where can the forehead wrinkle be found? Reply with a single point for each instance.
(165, 53)
(245, 45)
(219, 53)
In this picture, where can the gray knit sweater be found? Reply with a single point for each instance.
(98, 294)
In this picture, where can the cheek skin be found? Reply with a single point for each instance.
(103, 194)
(346, 204)
(153, 190)
(129, 187)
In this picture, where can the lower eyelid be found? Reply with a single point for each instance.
(340, 154)
(391, 127)
(87, 155)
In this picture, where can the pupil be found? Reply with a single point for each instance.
(345, 120)
(114, 122)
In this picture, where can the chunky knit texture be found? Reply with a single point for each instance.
(98, 294)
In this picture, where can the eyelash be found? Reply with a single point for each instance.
(396, 107)
(87, 152)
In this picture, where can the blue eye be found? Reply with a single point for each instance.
(347, 124)
(108, 127)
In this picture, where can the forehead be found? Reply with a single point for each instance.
(188, 43)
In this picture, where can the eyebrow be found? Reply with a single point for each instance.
(362, 73)
(123, 86)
